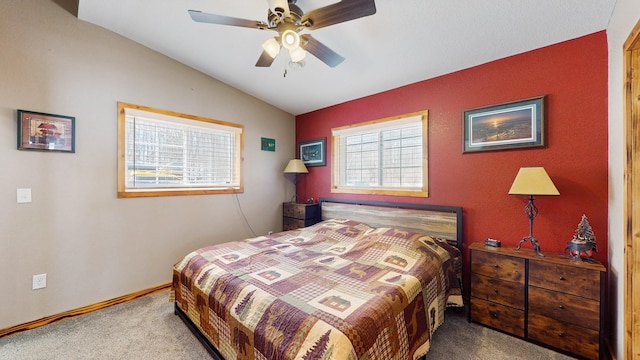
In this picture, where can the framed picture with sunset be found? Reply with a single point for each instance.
(511, 125)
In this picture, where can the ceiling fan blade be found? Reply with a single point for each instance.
(342, 11)
(321, 51)
(199, 16)
(265, 60)
(274, 5)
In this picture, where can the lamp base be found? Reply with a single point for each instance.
(534, 242)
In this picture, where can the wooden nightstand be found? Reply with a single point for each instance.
(552, 300)
(295, 216)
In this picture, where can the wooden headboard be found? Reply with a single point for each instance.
(443, 222)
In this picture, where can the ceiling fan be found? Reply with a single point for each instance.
(288, 20)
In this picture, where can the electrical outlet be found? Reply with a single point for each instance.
(39, 281)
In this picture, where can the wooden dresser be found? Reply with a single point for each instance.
(295, 216)
(552, 300)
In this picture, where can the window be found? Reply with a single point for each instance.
(387, 156)
(162, 153)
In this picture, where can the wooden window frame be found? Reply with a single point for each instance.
(336, 169)
(128, 192)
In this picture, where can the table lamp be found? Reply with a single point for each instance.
(532, 181)
(295, 167)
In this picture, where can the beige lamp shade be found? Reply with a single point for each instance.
(295, 166)
(533, 181)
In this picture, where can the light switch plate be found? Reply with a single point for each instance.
(24, 196)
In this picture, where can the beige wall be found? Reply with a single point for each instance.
(92, 245)
(626, 14)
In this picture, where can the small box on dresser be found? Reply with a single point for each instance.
(295, 216)
(552, 300)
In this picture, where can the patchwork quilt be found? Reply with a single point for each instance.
(335, 290)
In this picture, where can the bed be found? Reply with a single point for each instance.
(372, 280)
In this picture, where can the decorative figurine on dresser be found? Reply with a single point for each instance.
(583, 244)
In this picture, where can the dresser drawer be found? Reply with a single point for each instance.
(569, 279)
(293, 210)
(498, 316)
(568, 337)
(507, 293)
(300, 211)
(498, 266)
(292, 224)
(564, 307)
(296, 216)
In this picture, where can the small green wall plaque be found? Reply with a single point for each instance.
(268, 144)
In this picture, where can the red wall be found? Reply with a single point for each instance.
(572, 74)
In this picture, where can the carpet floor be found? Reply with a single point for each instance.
(146, 328)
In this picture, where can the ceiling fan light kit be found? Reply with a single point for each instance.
(296, 65)
(291, 40)
(288, 20)
(272, 47)
(297, 54)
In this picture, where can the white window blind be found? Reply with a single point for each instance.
(387, 154)
(162, 152)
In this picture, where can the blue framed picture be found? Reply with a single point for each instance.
(518, 124)
(313, 152)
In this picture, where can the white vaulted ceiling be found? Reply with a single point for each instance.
(406, 41)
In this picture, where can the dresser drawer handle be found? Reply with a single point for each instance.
(561, 278)
(496, 266)
(561, 335)
(561, 306)
(494, 315)
(495, 291)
